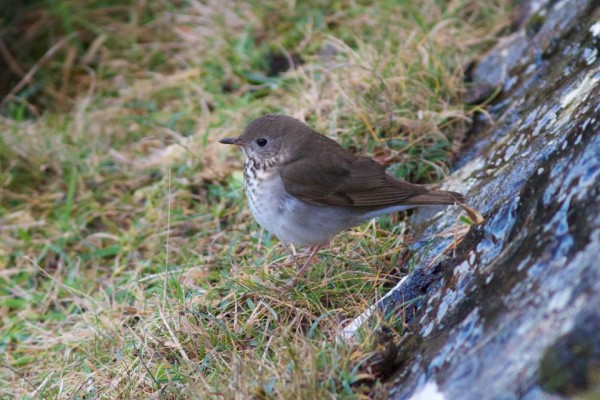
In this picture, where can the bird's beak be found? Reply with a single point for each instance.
(231, 140)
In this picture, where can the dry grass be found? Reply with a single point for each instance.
(130, 266)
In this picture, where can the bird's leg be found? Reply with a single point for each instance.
(292, 252)
(315, 250)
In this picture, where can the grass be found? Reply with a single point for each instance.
(131, 267)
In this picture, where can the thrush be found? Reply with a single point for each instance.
(304, 187)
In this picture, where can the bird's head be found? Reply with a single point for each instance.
(272, 137)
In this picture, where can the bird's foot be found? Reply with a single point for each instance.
(292, 282)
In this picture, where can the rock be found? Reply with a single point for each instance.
(496, 318)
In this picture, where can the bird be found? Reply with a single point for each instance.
(305, 188)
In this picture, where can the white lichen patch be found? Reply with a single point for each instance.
(349, 332)
(581, 91)
(463, 179)
(590, 55)
(595, 29)
(560, 299)
(548, 118)
(461, 268)
(430, 391)
(472, 258)
(427, 329)
(448, 302)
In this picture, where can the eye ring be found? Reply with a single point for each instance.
(262, 142)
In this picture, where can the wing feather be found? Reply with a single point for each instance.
(347, 180)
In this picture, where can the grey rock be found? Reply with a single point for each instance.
(483, 322)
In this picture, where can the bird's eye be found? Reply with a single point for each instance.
(261, 142)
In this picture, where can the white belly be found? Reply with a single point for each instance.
(290, 219)
(297, 222)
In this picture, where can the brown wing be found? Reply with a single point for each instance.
(346, 180)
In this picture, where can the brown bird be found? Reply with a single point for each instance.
(305, 188)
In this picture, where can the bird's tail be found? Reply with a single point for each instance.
(436, 197)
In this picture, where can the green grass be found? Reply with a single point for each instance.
(131, 267)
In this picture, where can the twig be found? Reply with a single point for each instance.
(369, 127)
(21, 376)
(67, 67)
(10, 60)
(29, 76)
